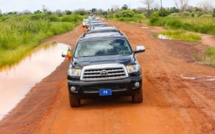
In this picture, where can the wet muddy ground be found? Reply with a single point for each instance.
(17, 80)
(173, 103)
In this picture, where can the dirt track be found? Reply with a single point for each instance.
(179, 97)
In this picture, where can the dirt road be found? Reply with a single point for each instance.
(179, 95)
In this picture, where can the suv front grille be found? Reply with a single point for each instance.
(104, 72)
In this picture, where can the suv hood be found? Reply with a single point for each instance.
(121, 59)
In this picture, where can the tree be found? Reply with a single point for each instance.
(44, 9)
(81, 12)
(164, 12)
(68, 12)
(149, 4)
(174, 10)
(126, 13)
(125, 7)
(181, 4)
(37, 12)
(25, 12)
(206, 6)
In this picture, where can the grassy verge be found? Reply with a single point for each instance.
(19, 35)
(138, 18)
(200, 25)
(180, 35)
(208, 57)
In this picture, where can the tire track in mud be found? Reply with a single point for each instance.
(194, 109)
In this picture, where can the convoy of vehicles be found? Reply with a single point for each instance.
(103, 64)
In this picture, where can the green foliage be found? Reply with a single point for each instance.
(137, 18)
(181, 35)
(81, 12)
(125, 7)
(164, 12)
(127, 16)
(154, 18)
(206, 16)
(210, 52)
(68, 12)
(126, 13)
(19, 34)
(208, 57)
(185, 14)
(72, 18)
(201, 25)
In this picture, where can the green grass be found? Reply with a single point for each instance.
(204, 25)
(180, 35)
(137, 18)
(20, 34)
(208, 57)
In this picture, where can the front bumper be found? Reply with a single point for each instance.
(90, 89)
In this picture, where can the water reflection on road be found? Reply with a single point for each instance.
(16, 81)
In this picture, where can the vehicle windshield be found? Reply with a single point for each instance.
(102, 48)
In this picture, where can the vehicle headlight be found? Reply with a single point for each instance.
(74, 72)
(133, 68)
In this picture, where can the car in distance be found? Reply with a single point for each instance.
(104, 65)
(94, 25)
(84, 22)
(103, 29)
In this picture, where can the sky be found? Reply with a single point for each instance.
(53, 5)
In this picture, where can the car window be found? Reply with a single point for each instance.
(102, 48)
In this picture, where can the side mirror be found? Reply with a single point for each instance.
(64, 53)
(139, 49)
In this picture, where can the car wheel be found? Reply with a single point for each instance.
(138, 97)
(74, 102)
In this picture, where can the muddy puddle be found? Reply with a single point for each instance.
(16, 81)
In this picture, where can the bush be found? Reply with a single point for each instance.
(164, 12)
(181, 35)
(72, 18)
(208, 57)
(126, 13)
(185, 14)
(154, 18)
(200, 25)
(19, 34)
(210, 52)
(206, 16)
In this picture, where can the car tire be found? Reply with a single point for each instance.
(74, 102)
(138, 97)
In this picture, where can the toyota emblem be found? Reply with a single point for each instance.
(104, 73)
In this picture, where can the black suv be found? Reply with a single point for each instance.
(104, 65)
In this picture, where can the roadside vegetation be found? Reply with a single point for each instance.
(202, 24)
(179, 35)
(20, 33)
(208, 57)
(181, 22)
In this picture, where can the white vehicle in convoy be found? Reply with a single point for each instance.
(84, 23)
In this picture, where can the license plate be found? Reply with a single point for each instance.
(105, 92)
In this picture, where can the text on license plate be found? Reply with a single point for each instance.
(105, 92)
